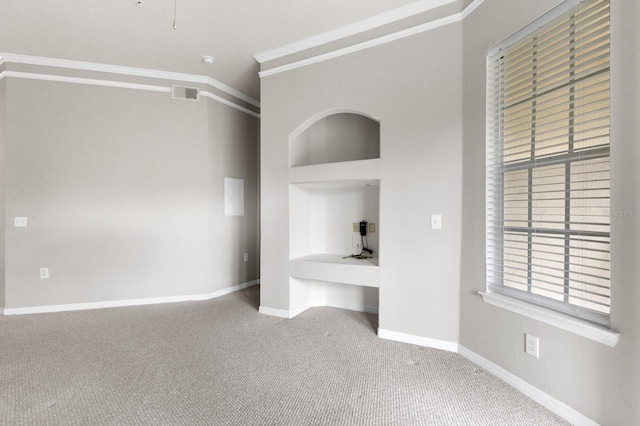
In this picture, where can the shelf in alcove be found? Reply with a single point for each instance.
(343, 171)
(333, 268)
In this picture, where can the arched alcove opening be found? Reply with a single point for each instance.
(327, 203)
(335, 136)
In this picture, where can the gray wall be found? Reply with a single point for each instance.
(338, 137)
(233, 152)
(599, 381)
(123, 190)
(2, 174)
(429, 93)
(413, 87)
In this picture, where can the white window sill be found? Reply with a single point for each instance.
(565, 322)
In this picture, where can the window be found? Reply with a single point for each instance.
(548, 163)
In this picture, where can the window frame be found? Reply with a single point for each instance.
(497, 293)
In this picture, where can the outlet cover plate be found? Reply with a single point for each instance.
(532, 345)
(20, 222)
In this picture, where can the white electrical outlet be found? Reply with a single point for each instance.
(20, 222)
(532, 345)
(44, 273)
(246, 257)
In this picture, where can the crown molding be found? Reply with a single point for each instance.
(81, 80)
(120, 84)
(371, 23)
(471, 7)
(122, 70)
(437, 23)
(228, 103)
(364, 45)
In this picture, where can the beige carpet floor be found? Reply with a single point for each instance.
(220, 362)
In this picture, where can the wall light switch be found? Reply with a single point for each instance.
(246, 257)
(436, 221)
(356, 227)
(372, 227)
(20, 222)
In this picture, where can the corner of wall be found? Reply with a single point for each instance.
(3, 89)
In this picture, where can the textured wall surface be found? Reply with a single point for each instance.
(413, 87)
(598, 381)
(123, 190)
(429, 92)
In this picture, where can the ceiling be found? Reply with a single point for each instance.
(121, 32)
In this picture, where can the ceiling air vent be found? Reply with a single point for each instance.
(187, 93)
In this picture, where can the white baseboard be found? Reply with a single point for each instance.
(128, 302)
(352, 306)
(283, 313)
(560, 408)
(333, 304)
(280, 313)
(418, 340)
(300, 309)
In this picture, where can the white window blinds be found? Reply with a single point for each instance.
(548, 164)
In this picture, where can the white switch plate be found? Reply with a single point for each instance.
(20, 222)
(246, 257)
(436, 221)
(44, 273)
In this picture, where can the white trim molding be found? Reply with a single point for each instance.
(87, 81)
(542, 398)
(280, 313)
(120, 84)
(552, 404)
(545, 315)
(294, 312)
(329, 37)
(333, 304)
(228, 103)
(343, 32)
(426, 342)
(128, 71)
(127, 302)
(137, 72)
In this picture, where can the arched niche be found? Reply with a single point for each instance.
(335, 136)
